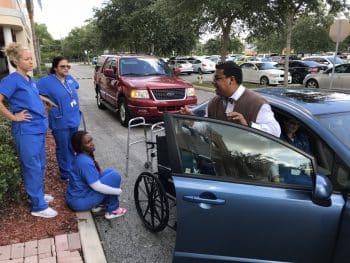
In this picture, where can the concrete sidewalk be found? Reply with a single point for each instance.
(84, 246)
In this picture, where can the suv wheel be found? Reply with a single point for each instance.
(311, 83)
(124, 115)
(99, 101)
(264, 81)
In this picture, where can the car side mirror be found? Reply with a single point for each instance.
(322, 190)
(109, 73)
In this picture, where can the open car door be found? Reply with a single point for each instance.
(245, 196)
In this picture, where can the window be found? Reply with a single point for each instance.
(233, 153)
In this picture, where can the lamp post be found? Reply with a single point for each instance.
(339, 30)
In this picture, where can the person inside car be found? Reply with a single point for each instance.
(293, 135)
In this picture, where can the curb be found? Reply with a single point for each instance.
(90, 241)
(203, 88)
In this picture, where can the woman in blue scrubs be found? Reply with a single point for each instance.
(29, 125)
(89, 186)
(61, 88)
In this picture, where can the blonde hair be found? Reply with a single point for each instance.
(13, 51)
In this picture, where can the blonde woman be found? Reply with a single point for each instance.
(29, 125)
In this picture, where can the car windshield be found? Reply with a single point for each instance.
(264, 66)
(338, 60)
(143, 67)
(339, 125)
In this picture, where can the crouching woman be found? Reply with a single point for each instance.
(89, 186)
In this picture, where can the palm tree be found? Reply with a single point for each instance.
(30, 8)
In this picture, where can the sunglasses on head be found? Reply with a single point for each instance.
(64, 66)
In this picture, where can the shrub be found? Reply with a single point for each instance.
(10, 172)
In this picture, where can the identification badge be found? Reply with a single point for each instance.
(73, 103)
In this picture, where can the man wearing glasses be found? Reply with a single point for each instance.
(234, 103)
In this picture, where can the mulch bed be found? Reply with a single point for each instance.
(18, 225)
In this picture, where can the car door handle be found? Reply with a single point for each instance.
(197, 199)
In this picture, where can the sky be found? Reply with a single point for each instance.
(62, 16)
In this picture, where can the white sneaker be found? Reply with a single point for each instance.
(97, 209)
(48, 198)
(46, 213)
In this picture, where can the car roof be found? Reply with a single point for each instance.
(310, 101)
(130, 56)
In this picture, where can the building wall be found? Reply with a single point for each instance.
(14, 27)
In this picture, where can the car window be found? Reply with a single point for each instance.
(143, 67)
(341, 69)
(231, 153)
(339, 125)
(264, 66)
(247, 66)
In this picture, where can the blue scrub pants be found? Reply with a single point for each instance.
(64, 151)
(31, 150)
(92, 199)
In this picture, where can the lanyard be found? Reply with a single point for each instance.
(66, 86)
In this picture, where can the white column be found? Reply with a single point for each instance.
(8, 39)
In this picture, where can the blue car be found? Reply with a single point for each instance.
(229, 205)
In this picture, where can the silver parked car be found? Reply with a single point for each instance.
(341, 78)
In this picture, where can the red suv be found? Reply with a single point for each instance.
(140, 85)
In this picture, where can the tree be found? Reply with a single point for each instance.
(227, 17)
(310, 36)
(213, 46)
(144, 26)
(30, 8)
(49, 47)
(283, 14)
(81, 40)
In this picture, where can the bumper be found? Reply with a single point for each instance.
(279, 80)
(155, 110)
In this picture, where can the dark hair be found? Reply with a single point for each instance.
(55, 62)
(77, 140)
(231, 69)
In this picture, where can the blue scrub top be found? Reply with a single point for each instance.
(84, 174)
(67, 115)
(23, 94)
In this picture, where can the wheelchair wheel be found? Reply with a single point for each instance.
(151, 202)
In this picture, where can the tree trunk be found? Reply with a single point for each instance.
(226, 30)
(288, 45)
(30, 8)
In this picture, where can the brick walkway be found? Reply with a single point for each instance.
(64, 248)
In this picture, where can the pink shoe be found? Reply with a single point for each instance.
(116, 213)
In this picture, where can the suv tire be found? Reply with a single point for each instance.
(123, 113)
(99, 101)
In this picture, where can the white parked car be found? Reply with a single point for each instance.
(263, 72)
(182, 65)
(203, 66)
